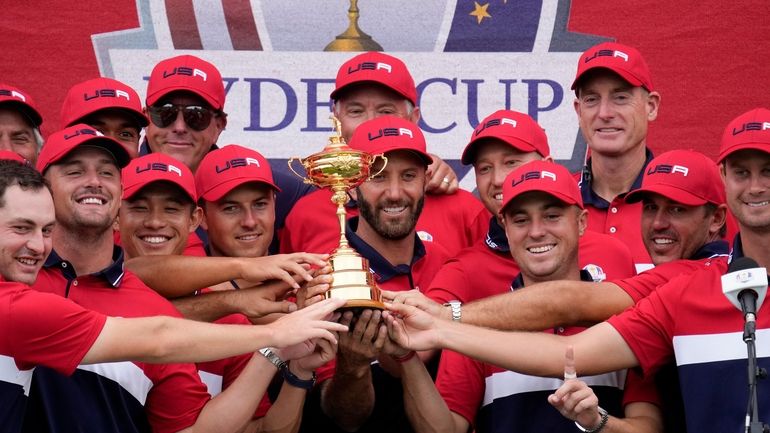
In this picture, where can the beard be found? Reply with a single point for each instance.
(392, 230)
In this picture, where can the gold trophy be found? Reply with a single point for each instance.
(340, 168)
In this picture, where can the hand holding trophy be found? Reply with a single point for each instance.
(340, 168)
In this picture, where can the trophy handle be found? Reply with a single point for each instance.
(304, 179)
(384, 164)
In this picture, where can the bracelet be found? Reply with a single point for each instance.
(404, 358)
(605, 416)
(293, 380)
(456, 307)
(279, 363)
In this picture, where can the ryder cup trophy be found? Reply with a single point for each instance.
(340, 168)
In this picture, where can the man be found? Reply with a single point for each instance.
(110, 106)
(543, 216)
(66, 334)
(82, 167)
(237, 198)
(503, 141)
(356, 394)
(676, 321)
(682, 224)
(615, 101)
(455, 219)
(158, 212)
(19, 123)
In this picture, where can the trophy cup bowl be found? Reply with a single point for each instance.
(339, 167)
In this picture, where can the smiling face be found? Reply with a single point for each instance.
(86, 189)
(178, 139)
(157, 219)
(26, 222)
(614, 115)
(391, 202)
(746, 174)
(673, 231)
(543, 234)
(241, 223)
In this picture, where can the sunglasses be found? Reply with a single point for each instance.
(195, 116)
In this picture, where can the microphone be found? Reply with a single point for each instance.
(745, 286)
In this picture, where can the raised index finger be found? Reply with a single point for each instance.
(569, 364)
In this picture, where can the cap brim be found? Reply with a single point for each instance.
(627, 76)
(670, 192)
(557, 194)
(30, 113)
(335, 95)
(225, 187)
(113, 147)
(155, 97)
(132, 190)
(762, 147)
(469, 153)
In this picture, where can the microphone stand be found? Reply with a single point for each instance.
(753, 425)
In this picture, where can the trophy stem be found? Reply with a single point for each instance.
(339, 198)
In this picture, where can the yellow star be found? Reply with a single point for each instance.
(480, 12)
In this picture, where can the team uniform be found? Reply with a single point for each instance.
(38, 329)
(388, 414)
(495, 400)
(455, 221)
(618, 219)
(124, 396)
(460, 279)
(690, 320)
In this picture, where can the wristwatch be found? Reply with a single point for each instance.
(279, 363)
(283, 367)
(455, 306)
(605, 416)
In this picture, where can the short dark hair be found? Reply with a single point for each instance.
(19, 173)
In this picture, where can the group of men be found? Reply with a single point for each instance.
(111, 245)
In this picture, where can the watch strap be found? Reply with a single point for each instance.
(605, 416)
(456, 307)
(279, 363)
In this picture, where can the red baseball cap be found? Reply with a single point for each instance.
(7, 155)
(157, 167)
(387, 133)
(750, 130)
(621, 59)
(548, 177)
(376, 67)
(517, 129)
(91, 96)
(60, 143)
(225, 168)
(684, 176)
(188, 73)
(10, 95)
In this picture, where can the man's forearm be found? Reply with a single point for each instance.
(548, 305)
(599, 349)
(348, 397)
(425, 408)
(234, 407)
(285, 414)
(174, 276)
(207, 307)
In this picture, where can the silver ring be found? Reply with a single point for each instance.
(445, 180)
